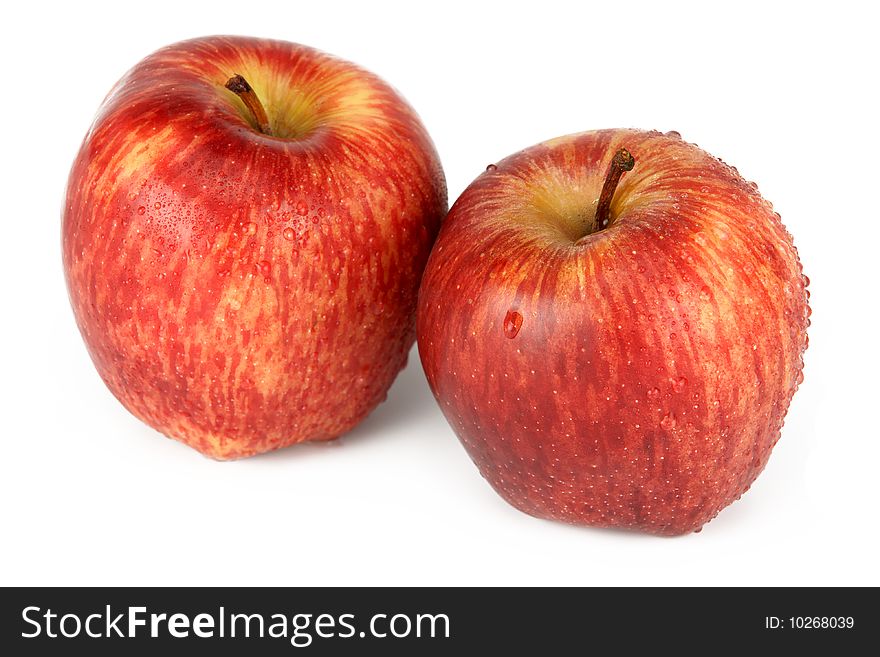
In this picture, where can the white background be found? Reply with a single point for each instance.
(89, 495)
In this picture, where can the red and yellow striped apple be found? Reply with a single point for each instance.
(615, 357)
(245, 228)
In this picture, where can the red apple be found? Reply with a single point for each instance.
(624, 363)
(244, 232)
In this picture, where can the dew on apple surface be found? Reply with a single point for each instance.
(491, 167)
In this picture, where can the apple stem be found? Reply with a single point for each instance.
(240, 87)
(622, 161)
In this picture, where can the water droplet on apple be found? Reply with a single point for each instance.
(288, 234)
(141, 209)
(302, 208)
(679, 384)
(491, 167)
(705, 293)
(264, 267)
(653, 393)
(512, 323)
(250, 228)
(674, 133)
(668, 422)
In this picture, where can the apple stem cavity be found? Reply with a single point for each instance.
(241, 88)
(621, 162)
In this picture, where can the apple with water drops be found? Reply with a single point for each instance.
(244, 231)
(613, 323)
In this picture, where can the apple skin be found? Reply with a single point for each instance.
(241, 292)
(638, 377)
